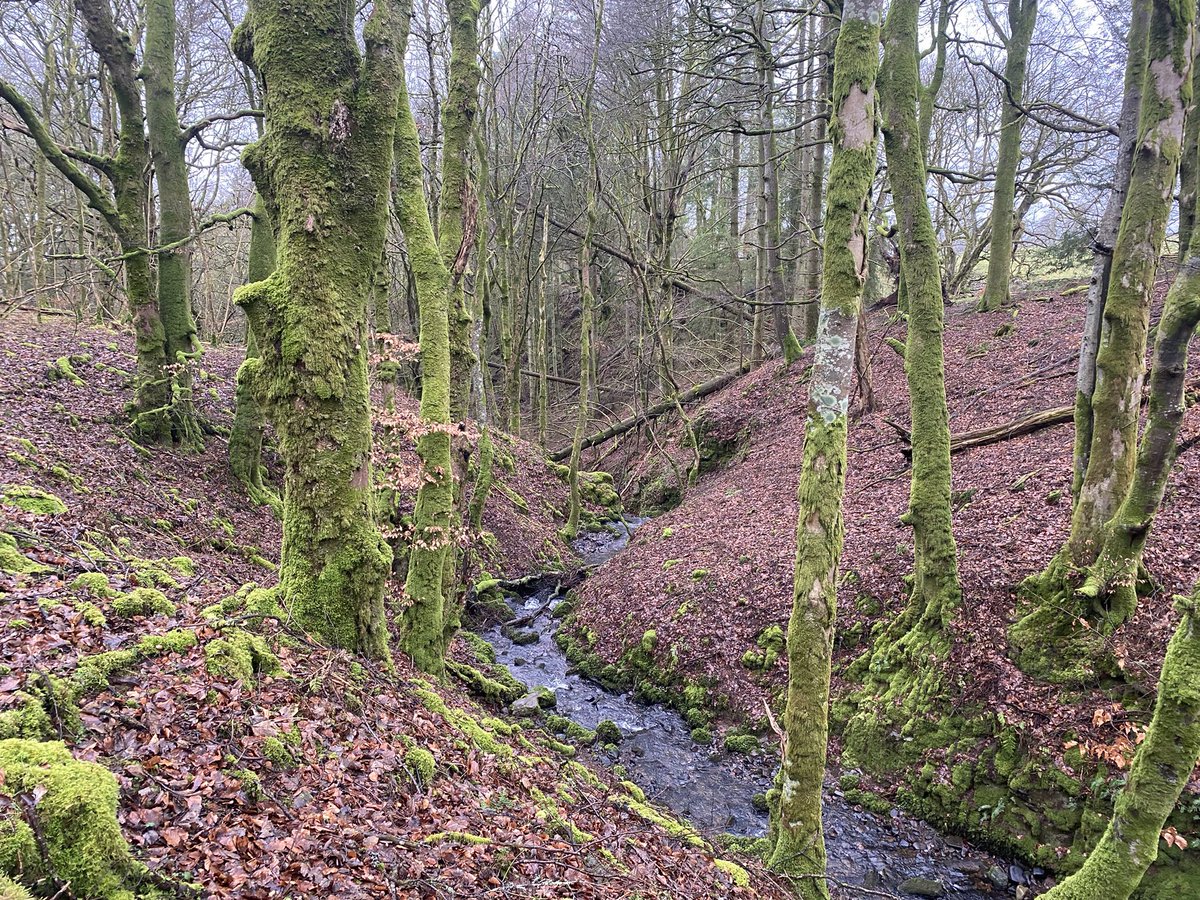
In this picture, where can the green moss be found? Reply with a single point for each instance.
(420, 763)
(77, 815)
(240, 656)
(462, 721)
(62, 370)
(741, 743)
(649, 640)
(702, 736)
(142, 601)
(33, 500)
(571, 728)
(456, 837)
(739, 876)
(94, 584)
(94, 672)
(9, 889)
(674, 827)
(250, 783)
(497, 683)
(481, 649)
(607, 732)
(13, 561)
(279, 753)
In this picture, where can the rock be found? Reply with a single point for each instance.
(922, 887)
(547, 699)
(302, 800)
(527, 706)
(1017, 875)
(997, 878)
(1023, 892)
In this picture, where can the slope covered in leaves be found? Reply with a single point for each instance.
(249, 759)
(712, 575)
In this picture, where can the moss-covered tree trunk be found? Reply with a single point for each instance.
(182, 347)
(1189, 166)
(1022, 17)
(249, 421)
(1106, 238)
(797, 842)
(1160, 770)
(322, 169)
(903, 659)
(1048, 637)
(586, 297)
(421, 626)
(1111, 584)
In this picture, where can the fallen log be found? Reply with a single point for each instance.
(663, 406)
(995, 434)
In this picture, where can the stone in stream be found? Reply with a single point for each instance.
(997, 877)
(527, 706)
(922, 887)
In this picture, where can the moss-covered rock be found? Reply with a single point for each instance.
(142, 601)
(33, 500)
(13, 561)
(77, 815)
(240, 656)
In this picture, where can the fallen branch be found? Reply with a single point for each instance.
(663, 406)
(995, 434)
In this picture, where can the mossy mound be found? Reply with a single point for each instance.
(76, 810)
(142, 601)
(241, 656)
(33, 500)
(13, 561)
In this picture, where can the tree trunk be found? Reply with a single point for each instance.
(246, 435)
(903, 658)
(798, 845)
(1112, 582)
(182, 347)
(1022, 17)
(586, 298)
(1049, 639)
(421, 624)
(322, 170)
(1106, 238)
(1189, 165)
(816, 190)
(1160, 771)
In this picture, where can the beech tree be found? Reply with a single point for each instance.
(322, 169)
(797, 841)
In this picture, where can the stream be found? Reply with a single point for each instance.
(714, 789)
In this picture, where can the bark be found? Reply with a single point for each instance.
(182, 348)
(1160, 771)
(543, 340)
(1106, 238)
(1022, 17)
(124, 210)
(322, 169)
(816, 187)
(797, 842)
(1112, 582)
(586, 298)
(1048, 637)
(919, 633)
(246, 435)
(421, 623)
(1188, 167)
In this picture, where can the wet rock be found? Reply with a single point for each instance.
(528, 706)
(1017, 875)
(922, 887)
(997, 877)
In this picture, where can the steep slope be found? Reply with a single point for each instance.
(246, 758)
(712, 578)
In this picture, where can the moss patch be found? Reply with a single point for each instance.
(33, 500)
(13, 561)
(77, 813)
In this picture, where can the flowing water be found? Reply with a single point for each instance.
(714, 790)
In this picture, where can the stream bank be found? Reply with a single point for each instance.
(720, 792)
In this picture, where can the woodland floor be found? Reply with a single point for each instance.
(351, 819)
(709, 576)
